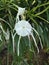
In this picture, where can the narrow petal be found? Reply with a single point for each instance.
(35, 42)
(39, 37)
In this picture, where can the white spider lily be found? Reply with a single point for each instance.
(23, 28)
(20, 12)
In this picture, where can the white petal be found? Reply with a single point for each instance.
(23, 28)
(35, 42)
(21, 10)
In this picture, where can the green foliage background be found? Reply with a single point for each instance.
(38, 15)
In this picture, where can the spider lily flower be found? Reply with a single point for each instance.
(20, 12)
(23, 28)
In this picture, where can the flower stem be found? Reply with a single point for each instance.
(18, 45)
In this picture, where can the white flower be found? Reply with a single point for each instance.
(23, 28)
(21, 11)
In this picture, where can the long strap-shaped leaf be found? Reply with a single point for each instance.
(38, 6)
(42, 11)
(6, 22)
(43, 19)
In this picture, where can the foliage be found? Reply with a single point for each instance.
(37, 12)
